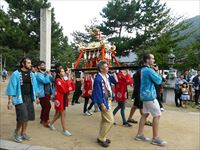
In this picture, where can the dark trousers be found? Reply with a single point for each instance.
(76, 95)
(178, 97)
(121, 105)
(159, 98)
(86, 103)
(46, 106)
(196, 96)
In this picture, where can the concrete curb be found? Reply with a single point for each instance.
(9, 145)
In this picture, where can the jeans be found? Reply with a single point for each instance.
(121, 105)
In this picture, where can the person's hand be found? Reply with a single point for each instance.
(103, 108)
(9, 106)
(49, 72)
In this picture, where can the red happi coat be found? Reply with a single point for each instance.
(121, 87)
(62, 87)
(87, 87)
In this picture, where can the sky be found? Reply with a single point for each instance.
(75, 14)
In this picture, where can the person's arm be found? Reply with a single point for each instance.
(155, 77)
(112, 79)
(12, 86)
(9, 106)
(129, 80)
(36, 90)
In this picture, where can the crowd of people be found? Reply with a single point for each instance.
(187, 89)
(34, 83)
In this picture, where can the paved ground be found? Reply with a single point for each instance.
(180, 128)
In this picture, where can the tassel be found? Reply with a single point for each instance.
(85, 55)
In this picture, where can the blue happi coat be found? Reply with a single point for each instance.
(14, 87)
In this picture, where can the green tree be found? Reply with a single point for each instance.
(22, 30)
(147, 27)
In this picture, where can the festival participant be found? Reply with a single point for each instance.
(62, 90)
(121, 92)
(102, 96)
(22, 91)
(78, 84)
(150, 104)
(87, 92)
(44, 79)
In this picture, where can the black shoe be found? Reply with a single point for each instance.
(72, 103)
(103, 144)
(114, 123)
(107, 140)
(126, 124)
(77, 102)
(132, 121)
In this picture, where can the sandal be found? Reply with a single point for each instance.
(132, 121)
(148, 123)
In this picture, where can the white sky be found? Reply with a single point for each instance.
(74, 14)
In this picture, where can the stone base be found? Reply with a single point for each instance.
(168, 95)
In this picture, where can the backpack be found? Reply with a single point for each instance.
(137, 82)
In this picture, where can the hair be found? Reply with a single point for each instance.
(100, 65)
(58, 70)
(146, 56)
(23, 61)
(57, 66)
(186, 84)
(41, 62)
(35, 66)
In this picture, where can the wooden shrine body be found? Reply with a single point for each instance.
(96, 52)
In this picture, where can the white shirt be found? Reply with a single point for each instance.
(107, 84)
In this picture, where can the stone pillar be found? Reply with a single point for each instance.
(45, 36)
(168, 92)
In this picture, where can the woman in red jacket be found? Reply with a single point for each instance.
(87, 92)
(121, 93)
(62, 90)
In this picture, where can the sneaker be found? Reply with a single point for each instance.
(67, 133)
(158, 142)
(142, 138)
(51, 126)
(126, 124)
(162, 109)
(90, 112)
(26, 137)
(87, 114)
(18, 138)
